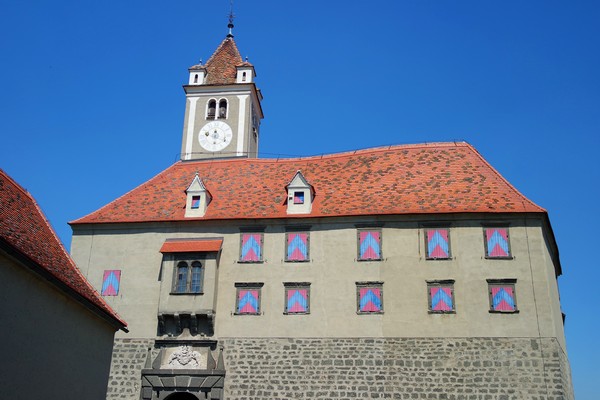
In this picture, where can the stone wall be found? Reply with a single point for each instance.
(399, 368)
(128, 359)
(358, 368)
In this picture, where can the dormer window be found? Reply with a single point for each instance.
(300, 195)
(211, 110)
(198, 199)
(223, 109)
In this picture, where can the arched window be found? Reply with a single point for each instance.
(196, 78)
(211, 110)
(181, 283)
(196, 283)
(188, 277)
(243, 77)
(223, 108)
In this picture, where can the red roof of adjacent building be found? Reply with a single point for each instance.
(191, 245)
(221, 66)
(407, 179)
(25, 229)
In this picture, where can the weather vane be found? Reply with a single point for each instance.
(231, 16)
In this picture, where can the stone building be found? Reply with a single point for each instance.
(57, 332)
(412, 271)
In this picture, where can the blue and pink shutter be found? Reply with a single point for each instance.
(298, 197)
(297, 301)
(369, 245)
(437, 243)
(370, 300)
(111, 282)
(248, 302)
(503, 298)
(251, 247)
(297, 248)
(441, 298)
(497, 242)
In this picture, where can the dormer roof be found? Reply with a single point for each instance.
(299, 181)
(197, 185)
(408, 179)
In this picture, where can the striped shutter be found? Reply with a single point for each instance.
(496, 240)
(297, 300)
(248, 301)
(251, 249)
(111, 282)
(370, 300)
(503, 298)
(441, 298)
(297, 246)
(438, 245)
(369, 245)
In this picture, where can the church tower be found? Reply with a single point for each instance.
(223, 110)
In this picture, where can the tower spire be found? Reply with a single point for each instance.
(231, 16)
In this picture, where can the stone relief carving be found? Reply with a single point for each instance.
(186, 357)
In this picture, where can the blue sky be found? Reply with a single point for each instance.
(92, 104)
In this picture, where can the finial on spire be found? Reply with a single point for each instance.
(231, 16)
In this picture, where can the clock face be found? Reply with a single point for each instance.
(215, 136)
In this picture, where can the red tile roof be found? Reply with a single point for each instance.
(407, 179)
(25, 229)
(221, 66)
(191, 245)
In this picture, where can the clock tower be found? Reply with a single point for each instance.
(223, 110)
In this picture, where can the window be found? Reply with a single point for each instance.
(111, 282)
(369, 244)
(369, 297)
(437, 243)
(211, 110)
(298, 197)
(251, 245)
(497, 244)
(503, 298)
(195, 201)
(297, 298)
(243, 77)
(248, 298)
(441, 296)
(188, 277)
(222, 108)
(196, 78)
(297, 246)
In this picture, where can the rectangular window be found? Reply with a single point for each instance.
(369, 297)
(248, 298)
(441, 296)
(195, 201)
(497, 244)
(251, 245)
(503, 298)
(437, 243)
(188, 277)
(298, 197)
(111, 281)
(369, 244)
(297, 246)
(297, 298)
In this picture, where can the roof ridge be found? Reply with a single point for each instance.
(499, 175)
(164, 171)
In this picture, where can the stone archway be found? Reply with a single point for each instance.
(181, 396)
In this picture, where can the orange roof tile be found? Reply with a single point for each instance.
(221, 66)
(25, 229)
(407, 179)
(191, 245)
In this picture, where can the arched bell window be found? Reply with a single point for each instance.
(243, 77)
(211, 109)
(196, 78)
(223, 108)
